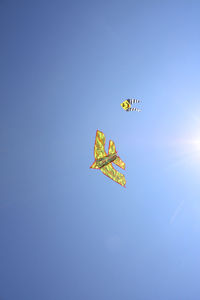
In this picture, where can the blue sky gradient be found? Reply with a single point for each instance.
(68, 232)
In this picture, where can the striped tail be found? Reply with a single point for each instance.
(133, 109)
(132, 101)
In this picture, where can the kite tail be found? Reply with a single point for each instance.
(133, 109)
(132, 101)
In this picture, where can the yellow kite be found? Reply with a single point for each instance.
(103, 161)
(126, 105)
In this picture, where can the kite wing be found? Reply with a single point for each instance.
(109, 171)
(117, 161)
(99, 146)
(111, 148)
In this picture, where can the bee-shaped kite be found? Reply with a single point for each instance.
(126, 105)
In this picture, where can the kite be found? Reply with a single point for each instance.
(126, 105)
(103, 161)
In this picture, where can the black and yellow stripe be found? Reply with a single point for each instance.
(132, 101)
(133, 109)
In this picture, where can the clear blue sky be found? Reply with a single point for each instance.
(68, 232)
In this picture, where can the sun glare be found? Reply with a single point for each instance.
(186, 149)
(190, 151)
